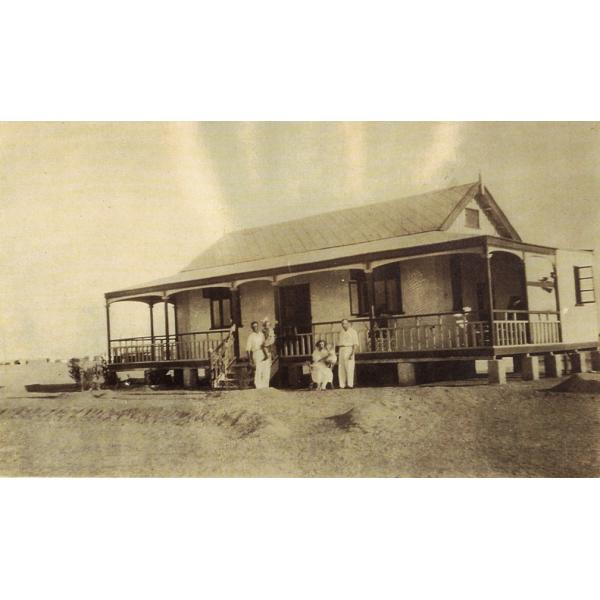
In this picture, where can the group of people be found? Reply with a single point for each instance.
(324, 359)
(260, 349)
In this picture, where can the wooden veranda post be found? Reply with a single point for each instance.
(167, 343)
(277, 306)
(370, 283)
(108, 330)
(175, 323)
(557, 297)
(152, 338)
(490, 293)
(236, 317)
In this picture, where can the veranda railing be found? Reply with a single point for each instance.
(522, 327)
(396, 333)
(435, 331)
(196, 345)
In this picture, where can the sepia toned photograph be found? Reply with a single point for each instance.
(299, 299)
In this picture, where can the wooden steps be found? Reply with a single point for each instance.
(240, 376)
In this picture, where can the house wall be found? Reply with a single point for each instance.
(486, 227)
(538, 267)
(579, 323)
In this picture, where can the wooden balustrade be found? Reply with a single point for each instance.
(521, 327)
(185, 346)
(404, 333)
(437, 331)
(395, 334)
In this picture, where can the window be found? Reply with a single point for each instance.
(584, 285)
(472, 218)
(220, 307)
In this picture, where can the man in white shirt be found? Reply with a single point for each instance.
(256, 357)
(348, 343)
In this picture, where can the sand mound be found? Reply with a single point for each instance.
(581, 383)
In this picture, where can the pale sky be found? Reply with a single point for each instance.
(87, 208)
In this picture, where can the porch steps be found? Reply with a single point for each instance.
(240, 376)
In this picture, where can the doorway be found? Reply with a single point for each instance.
(295, 310)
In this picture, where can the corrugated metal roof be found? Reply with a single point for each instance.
(394, 218)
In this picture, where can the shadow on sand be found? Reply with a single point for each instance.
(52, 387)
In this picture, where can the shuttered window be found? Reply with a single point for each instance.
(220, 307)
(387, 292)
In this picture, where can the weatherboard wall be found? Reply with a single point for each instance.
(579, 323)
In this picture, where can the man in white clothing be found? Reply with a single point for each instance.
(348, 343)
(256, 357)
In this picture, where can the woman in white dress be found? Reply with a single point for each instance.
(323, 359)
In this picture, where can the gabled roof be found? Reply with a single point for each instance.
(396, 223)
(433, 211)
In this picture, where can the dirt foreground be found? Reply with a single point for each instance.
(520, 429)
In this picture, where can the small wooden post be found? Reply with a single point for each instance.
(496, 371)
(530, 368)
(167, 343)
(407, 373)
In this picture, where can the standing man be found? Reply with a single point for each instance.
(256, 357)
(348, 342)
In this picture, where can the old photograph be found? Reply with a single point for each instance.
(299, 299)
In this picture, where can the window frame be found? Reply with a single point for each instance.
(387, 276)
(475, 212)
(579, 289)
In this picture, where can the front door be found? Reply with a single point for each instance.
(294, 302)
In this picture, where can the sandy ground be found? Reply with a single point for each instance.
(464, 429)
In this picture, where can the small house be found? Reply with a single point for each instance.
(431, 283)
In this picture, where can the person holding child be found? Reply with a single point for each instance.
(255, 347)
(321, 368)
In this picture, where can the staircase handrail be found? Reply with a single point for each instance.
(221, 358)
